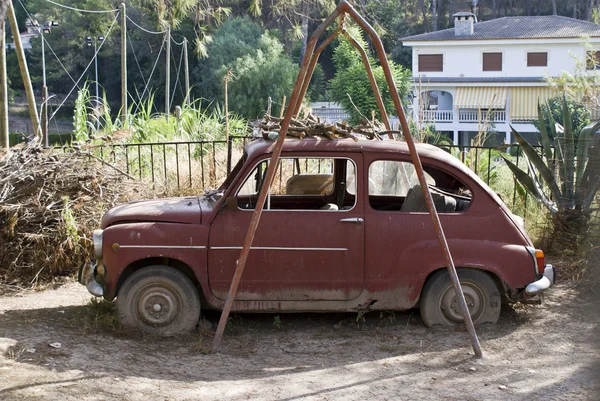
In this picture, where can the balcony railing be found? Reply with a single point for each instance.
(439, 116)
(476, 116)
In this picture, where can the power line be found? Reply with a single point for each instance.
(150, 77)
(142, 28)
(178, 43)
(136, 62)
(58, 59)
(176, 79)
(88, 66)
(81, 10)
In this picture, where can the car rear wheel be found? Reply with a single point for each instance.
(159, 300)
(439, 305)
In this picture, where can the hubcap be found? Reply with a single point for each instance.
(451, 308)
(157, 306)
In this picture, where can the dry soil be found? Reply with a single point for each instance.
(546, 352)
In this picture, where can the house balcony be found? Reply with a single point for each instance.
(479, 116)
(437, 116)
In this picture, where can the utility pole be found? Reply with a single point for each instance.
(168, 72)
(14, 27)
(124, 65)
(44, 95)
(4, 137)
(186, 71)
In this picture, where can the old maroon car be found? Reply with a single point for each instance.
(345, 228)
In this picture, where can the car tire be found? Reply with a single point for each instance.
(439, 306)
(159, 300)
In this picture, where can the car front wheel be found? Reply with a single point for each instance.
(159, 300)
(439, 305)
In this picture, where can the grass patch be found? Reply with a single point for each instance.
(101, 315)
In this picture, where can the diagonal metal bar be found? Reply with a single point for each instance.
(311, 67)
(241, 263)
(347, 8)
(374, 86)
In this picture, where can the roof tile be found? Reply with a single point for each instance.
(535, 27)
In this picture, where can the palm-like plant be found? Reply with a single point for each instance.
(571, 173)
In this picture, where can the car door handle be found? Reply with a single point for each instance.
(356, 220)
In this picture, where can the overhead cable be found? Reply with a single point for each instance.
(150, 77)
(144, 29)
(88, 65)
(82, 10)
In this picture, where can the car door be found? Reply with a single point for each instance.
(310, 241)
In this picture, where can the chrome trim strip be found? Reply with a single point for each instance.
(276, 248)
(163, 246)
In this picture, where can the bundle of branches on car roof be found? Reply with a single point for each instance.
(50, 202)
(312, 125)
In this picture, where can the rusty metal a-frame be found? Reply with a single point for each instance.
(309, 62)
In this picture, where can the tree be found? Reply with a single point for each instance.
(578, 112)
(260, 75)
(351, 87)
(237, 37)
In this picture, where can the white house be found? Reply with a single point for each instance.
(479, 75)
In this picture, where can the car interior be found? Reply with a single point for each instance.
(328, 184)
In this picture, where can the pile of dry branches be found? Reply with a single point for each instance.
(312, 126)
(50, 202)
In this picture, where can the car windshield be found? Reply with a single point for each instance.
(234, 172)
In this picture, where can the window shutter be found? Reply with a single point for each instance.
(492, 61)
(431, 62)
(537, 59)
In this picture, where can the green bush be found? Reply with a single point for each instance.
(351, 87)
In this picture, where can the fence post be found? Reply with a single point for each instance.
(229, 152)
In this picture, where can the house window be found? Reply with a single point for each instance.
(592, 60)
(492, 61)
(431, 62)
(537, 59)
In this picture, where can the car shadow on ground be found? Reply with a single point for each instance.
(254, 345)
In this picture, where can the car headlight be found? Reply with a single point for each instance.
(97, 238)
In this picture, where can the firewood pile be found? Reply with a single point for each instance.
(311, 126)
(50, 201)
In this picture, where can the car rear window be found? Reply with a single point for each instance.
(394, 185)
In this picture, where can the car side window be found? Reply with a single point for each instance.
(394, 185)
(312, 183)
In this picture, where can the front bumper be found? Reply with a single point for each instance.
(87, 277)
(541, 285)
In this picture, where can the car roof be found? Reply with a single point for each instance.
(321, 144)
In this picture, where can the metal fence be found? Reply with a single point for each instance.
(197, 165)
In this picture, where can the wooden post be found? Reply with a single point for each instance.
(227, 78)
(45, 115)
(44, 96)
(14, 27)
(168, 72)
(124, 65)
(282, 111)
(4, 137)
(186, 70)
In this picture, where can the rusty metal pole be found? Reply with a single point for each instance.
(374, 86)
(347, 8)
(241, 262)
(311, 67)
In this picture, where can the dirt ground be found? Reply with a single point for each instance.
(547, 352)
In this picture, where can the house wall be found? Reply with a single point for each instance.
(465, 59)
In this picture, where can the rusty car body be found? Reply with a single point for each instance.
(344, 229)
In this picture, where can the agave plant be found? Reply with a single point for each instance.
(571, 173)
